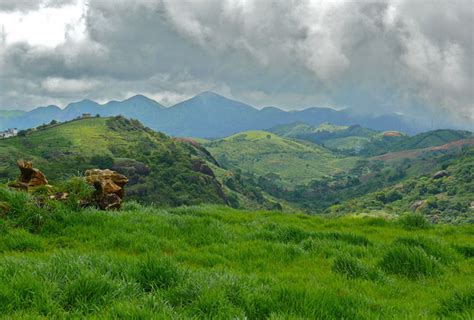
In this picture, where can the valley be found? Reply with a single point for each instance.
(300, 221)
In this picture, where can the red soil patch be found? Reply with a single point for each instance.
(189, 141)
(392, 134)
(394, 156)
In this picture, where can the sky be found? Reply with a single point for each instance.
(412, 57)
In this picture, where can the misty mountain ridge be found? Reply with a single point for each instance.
(207, 115)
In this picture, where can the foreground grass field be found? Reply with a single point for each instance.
(212, 262)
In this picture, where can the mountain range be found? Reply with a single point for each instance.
(207, 115)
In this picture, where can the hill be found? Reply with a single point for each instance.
(366, 142)
(446, 195)
(385, 143)
(212, 262)
(160, 169)
(287, 161)
(207, 115)
(351, 138)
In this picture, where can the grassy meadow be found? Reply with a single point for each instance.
(213, 262)
(263, 153)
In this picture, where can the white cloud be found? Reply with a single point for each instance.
(61, 85)
(47, 26)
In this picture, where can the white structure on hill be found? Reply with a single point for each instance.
(8, 133)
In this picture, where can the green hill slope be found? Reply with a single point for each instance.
(381, 144)
(264, 153)
(331, 136)
(367, 142)
(448, 197)
(160, 169)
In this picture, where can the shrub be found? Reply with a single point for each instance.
(466, 250)
(460, 304)
(132, 206)
(154, 274)
(274, 232)
(349, 238)
(20, 240)
(102, 161)
(23, 209)
(413, 221)
(432, 248)
(78, 189)
(350, 267)
(87, 292)
(315, 304)
(411, 262)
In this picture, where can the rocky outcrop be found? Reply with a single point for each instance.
(440, 174)
(29, 178)
(200, 166)
(417, 204)
(109, 186)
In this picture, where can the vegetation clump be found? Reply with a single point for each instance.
(352, 268)
(411, 262)
(413, 221)
(203, 262)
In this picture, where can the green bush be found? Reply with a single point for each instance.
(411, 262)
(460, 306)
(154, 274)
(466, 250)
(351, 268)
(432, 247)
(87, 293)
(350, 238)
(413, 221)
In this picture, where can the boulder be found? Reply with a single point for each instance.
(200, 166)
(109, 187)
(440, 174)
(29, 177)
(59, 196)
(417, 204)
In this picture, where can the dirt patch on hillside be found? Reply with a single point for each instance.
(411, 154)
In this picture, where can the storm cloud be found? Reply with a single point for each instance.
(406, 56)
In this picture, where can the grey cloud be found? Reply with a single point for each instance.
(31, 5)
(19, 5)
(376, 56)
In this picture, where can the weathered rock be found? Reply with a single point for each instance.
(59, 196)
(29, 177)
(109, 187)
(200, 166)
(417, 204)
(110, 201)
(440, 174)
(19, 185)
(434, 218)
(84, 203)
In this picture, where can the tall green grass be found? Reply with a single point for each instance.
(211, 262)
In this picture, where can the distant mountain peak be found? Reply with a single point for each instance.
(88, 101)
(209, 94)
(139, 98)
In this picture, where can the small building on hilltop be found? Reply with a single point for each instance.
(8, 133)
